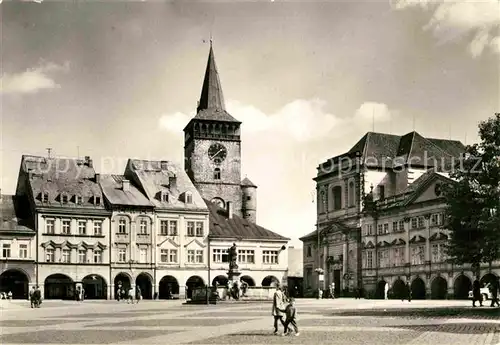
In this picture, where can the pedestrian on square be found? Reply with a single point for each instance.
(32, 300)
(130, 297)
(139, 294)
(476, 293)
(278, 301)
(494, 286)
(408, 291)
(291, 318)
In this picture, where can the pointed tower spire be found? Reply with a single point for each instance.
(211, 92)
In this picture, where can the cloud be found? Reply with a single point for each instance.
(456, 20)
(299, 121)
(32, 80)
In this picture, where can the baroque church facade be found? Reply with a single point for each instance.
(159, 226)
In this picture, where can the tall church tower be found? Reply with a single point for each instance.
(212, 145)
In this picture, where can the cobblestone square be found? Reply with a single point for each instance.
(341, 321)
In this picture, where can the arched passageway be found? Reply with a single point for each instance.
(221, 280)
(169, 287)
(270, 281)
(59, 286)
(16, 282)
(488, 279)
(380, 290)
(95, 287)
(418, 289)
(122, 283)
(461, 287)
(439, 288)
(399, 289)
(143, 282)
(192, 283)
(249, 280)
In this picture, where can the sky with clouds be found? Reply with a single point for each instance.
(115, 80)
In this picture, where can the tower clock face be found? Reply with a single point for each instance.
(217, 153)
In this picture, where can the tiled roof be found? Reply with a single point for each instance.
(155, 177)
(379, 149)
(57, 176)
(310, 235)
(247, 183)
(15, 215)
(236, 227)
(115, 195)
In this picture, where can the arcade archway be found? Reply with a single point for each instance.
(59, 286)
(399, 289)
(461, 287)
(16, 282)
(439, 288)
(192, 283)
(95, 287)
(270, 281)
(122, 283)
(221, 280)
(143, 282)
(169, 287)
(418, 289)
(488, 279)
(249, 280)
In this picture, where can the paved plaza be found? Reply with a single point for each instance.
(342, 321)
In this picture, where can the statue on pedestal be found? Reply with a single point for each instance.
(233, 256)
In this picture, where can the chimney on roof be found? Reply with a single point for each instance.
(172, 182)
(126, 185)
(164, 165)
(97, 178)
(89, 162)
(229, 209)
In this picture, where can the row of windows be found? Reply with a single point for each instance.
(7, 251)
(82, 227)
(66, 198)
(166, 256)
(246, 256)
(333, 200)
(82, 256)
(399, 226)
(397, 256)
(167, 228)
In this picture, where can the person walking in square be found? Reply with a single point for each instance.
(476, 293)
(494, 286)
(291, 318)
(278, 302)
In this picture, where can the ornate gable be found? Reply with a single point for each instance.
(168, 243)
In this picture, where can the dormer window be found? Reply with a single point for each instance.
(97, 200)
(217, 174)
(45, 197)
(64, 198)
(78, 199)
(189, 198)
(164, 196)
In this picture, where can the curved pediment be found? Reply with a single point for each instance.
(49, 244)
(383, 244)
(438, 236)
(100, 246)
(417, 239)
(67, 244)
(398, 242)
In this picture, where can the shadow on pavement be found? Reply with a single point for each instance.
(446, 312)
(455, 328)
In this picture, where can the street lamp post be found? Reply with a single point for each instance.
(319, 269)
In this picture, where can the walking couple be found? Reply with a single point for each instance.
(283, 306)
